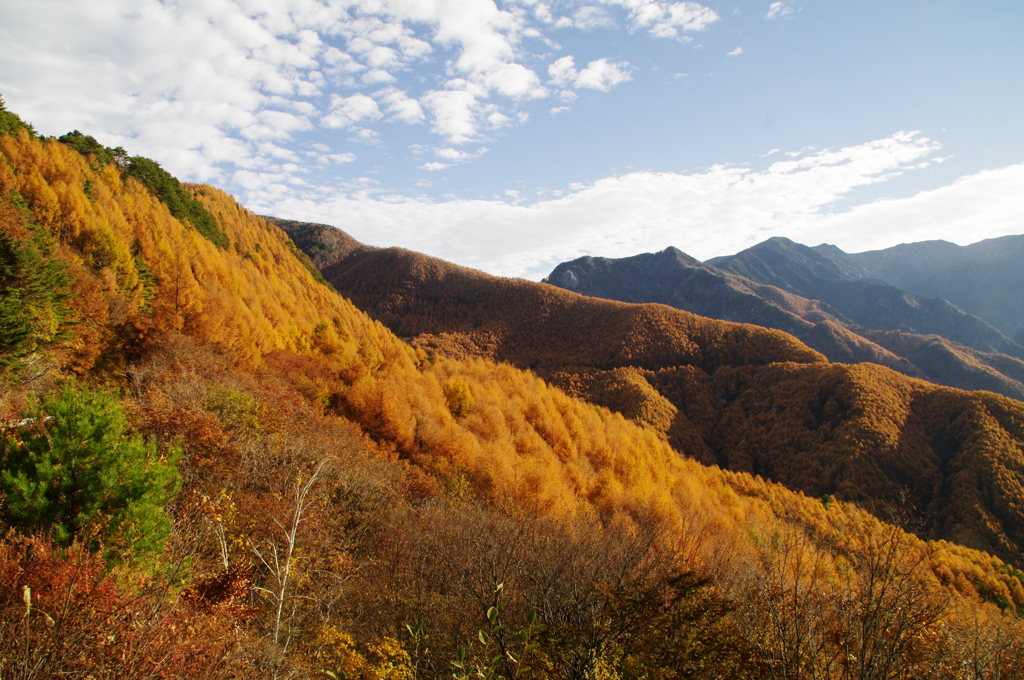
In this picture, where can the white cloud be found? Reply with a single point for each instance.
(984, 205)
(104, 68)
(603, 75)
(366, 136)
(340, 65)
(515, 81)
(274, 125)
(376, 76)
(560, 109)
(736, 52)
(401, 106)
(590, 17)
(454, 114)
(496, 119)
(718, 211)
(667, 19)
(348, 110)
(598, 75)
(450, 156)
(434, 166)
(778, 9)
(241, 67)
(563, 71)
(327, 159)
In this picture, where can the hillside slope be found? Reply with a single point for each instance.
(736, 395)
(412, 486)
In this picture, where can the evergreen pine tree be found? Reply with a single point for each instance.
(34, 291)
(75, 471)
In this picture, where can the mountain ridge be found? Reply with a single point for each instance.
(982, 278)
(874, 305)
(701, 288)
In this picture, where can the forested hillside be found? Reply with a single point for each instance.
(310, 496)
(673, 278)
(740, 396)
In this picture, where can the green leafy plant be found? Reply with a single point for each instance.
(458, 397)
(34, 291)
(73, 470)
(87, 145)
(11, 123)
(498, 657)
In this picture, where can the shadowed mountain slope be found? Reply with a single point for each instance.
(873, 305)
(985, 279)
(736, 395)
(550, 328)
(673, 278)
(321, 243)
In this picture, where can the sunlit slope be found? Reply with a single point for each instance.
(143, 276)
(743, 397)
(252, 298)
(863, 433)
(256, 298)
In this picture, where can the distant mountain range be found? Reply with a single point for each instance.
(737, 395)
(784, 285)
(985, 278)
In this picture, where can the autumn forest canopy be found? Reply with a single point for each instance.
(230, 451)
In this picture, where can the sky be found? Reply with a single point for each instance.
(510, 136)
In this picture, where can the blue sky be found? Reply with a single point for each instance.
(512, 136)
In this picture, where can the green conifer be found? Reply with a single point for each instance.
(74, 470)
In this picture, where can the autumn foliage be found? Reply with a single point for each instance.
(350, 504)
(738, 396)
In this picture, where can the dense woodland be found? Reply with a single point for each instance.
(215, 466)
(739, 396)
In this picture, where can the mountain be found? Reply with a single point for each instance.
(873, 305)
(675, 279)
(321, 243)
(984, 279)
(349, 504)
(736, 395)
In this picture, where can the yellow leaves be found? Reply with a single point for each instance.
(336, 653)
(457, 396)
(491, 430)
(44, 200)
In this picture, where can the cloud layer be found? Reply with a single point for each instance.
(232, 90)
(719, 211)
